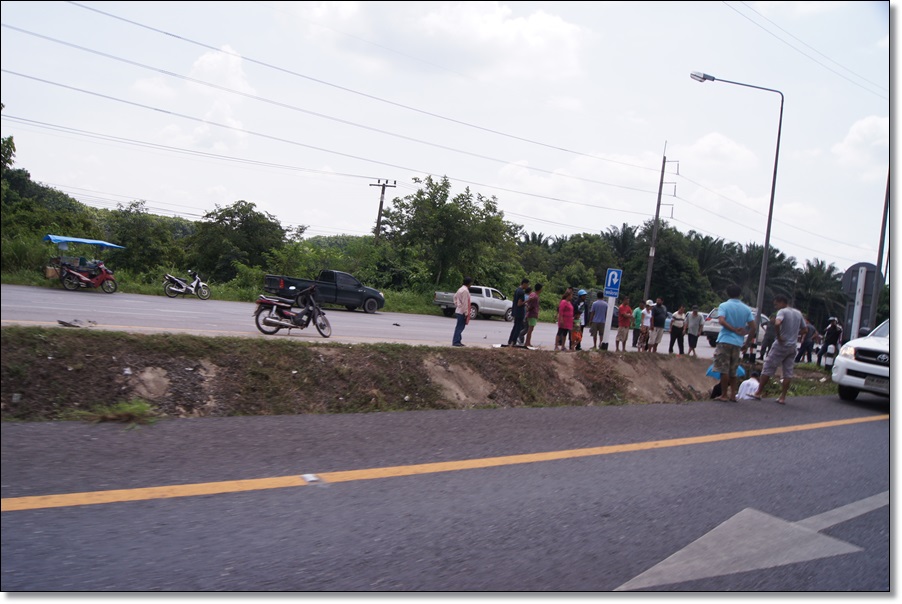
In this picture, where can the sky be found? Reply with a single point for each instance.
(565, 112)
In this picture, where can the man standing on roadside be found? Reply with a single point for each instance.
(519, 311)
(599, 314)
(832, 337)
(624, 320)
(461, 310)
(637, 322)
(532, 313)
(659, 320)
(736, 321)
(788, 326)
(694, 325)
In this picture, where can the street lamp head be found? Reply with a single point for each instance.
(700, 77)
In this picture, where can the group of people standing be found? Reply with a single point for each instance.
(649, 321)
(739, 331)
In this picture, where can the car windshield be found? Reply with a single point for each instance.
(882, 330)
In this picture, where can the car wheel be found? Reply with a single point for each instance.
(509, 315)
(474, 312)
(370, 306)
(847, 394)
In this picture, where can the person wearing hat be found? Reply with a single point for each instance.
(645, 329)
(599, 314)
(694, 325)
(637, 322)
(832, 336)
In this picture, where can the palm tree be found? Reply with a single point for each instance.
(746, 272)
(623, 241)
(819, 291)
(715, 259)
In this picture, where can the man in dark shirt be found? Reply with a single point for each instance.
(519, 312)
(658, 320)
(832, 336)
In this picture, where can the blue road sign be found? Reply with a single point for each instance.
(612, 283)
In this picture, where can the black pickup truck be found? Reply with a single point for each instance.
(332, 287)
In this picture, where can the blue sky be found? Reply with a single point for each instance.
(564, 111)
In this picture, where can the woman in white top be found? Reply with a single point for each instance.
(646, 326)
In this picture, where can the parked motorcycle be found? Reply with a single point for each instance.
(173, 286)
(274, 313)
(94, 274)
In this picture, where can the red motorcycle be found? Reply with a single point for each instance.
(93, 274)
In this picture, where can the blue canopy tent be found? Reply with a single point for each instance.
(63, 242)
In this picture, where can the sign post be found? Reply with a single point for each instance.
(611, 292)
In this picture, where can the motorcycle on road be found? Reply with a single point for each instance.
(173, 286)
(274, 313)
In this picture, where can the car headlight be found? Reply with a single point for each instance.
(847, 351)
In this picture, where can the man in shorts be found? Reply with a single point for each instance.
(599, 314)
(737, 321)
(788, 326)
(624, 321)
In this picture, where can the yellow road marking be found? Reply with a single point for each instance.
(12, 504)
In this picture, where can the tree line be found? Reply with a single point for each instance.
(428, 240)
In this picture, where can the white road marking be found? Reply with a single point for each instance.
(753, 540)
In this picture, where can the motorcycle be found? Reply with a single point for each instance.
(274, 313)
(173, 286)
(94, 274)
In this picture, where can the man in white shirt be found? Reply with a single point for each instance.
(461, 310)
(748, 388)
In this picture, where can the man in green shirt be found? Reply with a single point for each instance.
(637, 322)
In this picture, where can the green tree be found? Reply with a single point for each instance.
(455, 236)
(148, 242)
(623, 242)
(235, 233)
(818, 291)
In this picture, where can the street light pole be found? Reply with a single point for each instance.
(702, 77)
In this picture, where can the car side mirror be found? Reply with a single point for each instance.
(863, 332)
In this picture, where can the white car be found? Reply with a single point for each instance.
(862, 364)
(711, 326)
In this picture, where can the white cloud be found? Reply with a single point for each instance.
(865, 147)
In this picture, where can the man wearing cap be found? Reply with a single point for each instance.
(580, 318)
(832, 336)
(645, 330)
(694, 325)
(659, 320)
(637, 322)
(599, 314)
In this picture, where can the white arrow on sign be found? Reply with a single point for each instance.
(613, 279)
(753, 540)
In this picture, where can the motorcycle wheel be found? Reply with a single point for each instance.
(322, 325)
(109, 286)
(261, 314)
(203, 292)
(71, 282)
(170, 290)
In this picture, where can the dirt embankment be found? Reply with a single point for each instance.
(48, 373)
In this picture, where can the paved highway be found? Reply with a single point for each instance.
(700, 496)
(139, 313)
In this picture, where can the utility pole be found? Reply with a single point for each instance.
(385, 184)
(654, 232)
(878, 282)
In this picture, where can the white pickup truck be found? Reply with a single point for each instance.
(485, 301)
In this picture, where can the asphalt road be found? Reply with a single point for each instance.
(139, 313)
(700, 496)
